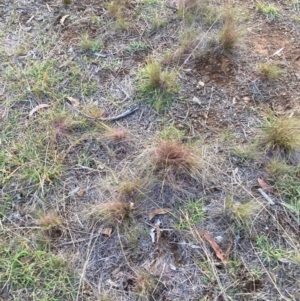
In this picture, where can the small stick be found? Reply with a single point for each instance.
(266, 196)
(114, 118)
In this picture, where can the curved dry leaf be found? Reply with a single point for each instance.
(74, 102)
(106, 231)
(63, 19)
(264, 185)
(41, 106)
(80, 192)
(158, 232)
(219, 253)
(158, 211)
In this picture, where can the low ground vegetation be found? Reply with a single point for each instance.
(194, 196)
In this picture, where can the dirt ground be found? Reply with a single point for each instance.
(58, 166)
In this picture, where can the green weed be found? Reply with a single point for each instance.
(192, 214)
(88, 44)
(270, 10)
(269, 251)
(41, 273)
(38, 78)
(136, 46)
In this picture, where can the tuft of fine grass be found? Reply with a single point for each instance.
(156, 78)
(173, 159)
(49, 220)
(280, 134)
(158, 85)
(114, 9)
(88, 44)
(230, 33)
(242, 212)
(145, 284)
(269, 10)
(277, 167)
(192, 10)
(111, 212)
(270, 70)
(172, 153)
(116, 134)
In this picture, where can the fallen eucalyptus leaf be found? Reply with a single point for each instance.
(158, 211)
(74, 102)
(63, 19)
(106, 231)
(219, 253)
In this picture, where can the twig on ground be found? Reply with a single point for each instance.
(114, 118)
(266, 196)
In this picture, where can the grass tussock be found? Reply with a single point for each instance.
(145, 283)
(188, 40)
(230, 33)
(89, 44)
(192, 10)
(157, 78)
(111, 212)
(158, 85)
(280, 134)
(174, 159)
(171, 153)
(242, 212)
(270, 70)
(268, 9)
(49, 221)
(277, 167)
(169, 157)
(116, 134)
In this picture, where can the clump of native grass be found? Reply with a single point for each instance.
(51, 225)
(112, 211)
(145, 284)
(270, 70)
(116, 134)
(48, 220)
(115, 9)
(124, 191)
(89, 44)
(242, 213)
(269, 10)
(157, 85)
(170, 160)
(277, 167)
(281, 134)
(193, 10)
(188, 42)
(231, 32)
